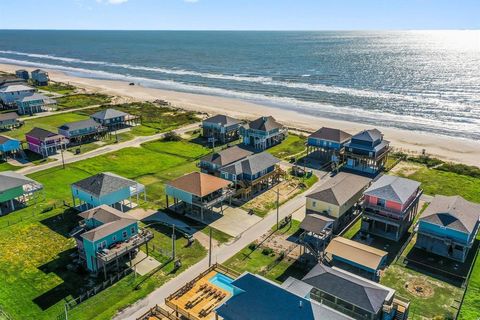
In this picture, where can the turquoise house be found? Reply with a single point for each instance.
(107, 235)
(34, 103)
(9, 147)
(106, 188)
(263, 133)
(16, 190)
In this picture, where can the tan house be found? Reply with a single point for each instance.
(337, 197)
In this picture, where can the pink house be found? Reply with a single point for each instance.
(389, 206)
(44, 142)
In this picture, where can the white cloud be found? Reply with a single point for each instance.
(112, 1)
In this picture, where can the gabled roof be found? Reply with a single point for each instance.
(370, 135)
(108, 114)
(41, 134)
(365, 294)
(112, 221)
(223, 120)
(4, 139)
(38, 71)
(330, 134)
(199, 184)
(15, 88)
(452, 212)
(357, 252)
(392, 188)
(33, 97)
(260, 299)
(252, 164)
(11, 179)
(104, 183)
(8, 116)
(316, 223)
(340, 189)
(82, 124)
(227, 156)
(264, 124)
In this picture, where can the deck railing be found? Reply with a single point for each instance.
(141, 238)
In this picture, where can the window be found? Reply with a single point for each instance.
(124, 233)
(132, 229)
(114, 238)
(102, 245)
(314, 204)
(381, 202)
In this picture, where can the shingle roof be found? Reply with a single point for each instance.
(104, 183)
(108, 114)
(10, 180)
(368, 135)
(199, 184)
(360, 292)
(452, 212)
(78, 125)
(252, 164)
(340, 189)
(33, 97)
(264, 124)
(356, 252)
(393, 188)
(112, 220)
(8, 116)
(315, 223)
(41, 134)
(15, 88)
(4, 139)
(223, 120)
(331, 134)
(227, 156)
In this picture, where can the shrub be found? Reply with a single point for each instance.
(267, 251)
(172, 136)
(252, 246)
(426, 160)
(462, 169)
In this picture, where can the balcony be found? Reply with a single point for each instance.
(390, 214)
(107, 255)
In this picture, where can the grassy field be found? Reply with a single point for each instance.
(293, 145)
(58, 87)
(36, 249)
(470, 308)
(82, 100)
(352, 231)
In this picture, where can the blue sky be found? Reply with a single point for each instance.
(240, 14)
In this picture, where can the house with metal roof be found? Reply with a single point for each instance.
(82, 131)
(9, 147)
(327, 144)
(367, 152)
(197, 193)
(263, 133)
(253, 174)
(40, 77)
(16, 190)
(221, 128)
(390, 206)
(44, 142)
(349, 294)
(106, 188)
(448, 227)
(355, 257)
(34, 103)
(10, 93)
(337, 198)
(106, 235)
(9, 121)
(115, 119)
(213, 162)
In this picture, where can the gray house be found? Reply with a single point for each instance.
(212, 163)
(22, 74)
(448, 227)
(263, 133)
(114, 119)
(81, 131)
(222, 128)
(40, 77)
(9, 121)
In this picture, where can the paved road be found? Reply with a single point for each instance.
(220, 255)
(70, 157)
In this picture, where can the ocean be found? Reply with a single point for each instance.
(417, 80)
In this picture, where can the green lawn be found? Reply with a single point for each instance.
(36, 249)
(82, 100)
(293, 145)
(352, 231)
(58, 87)
(470, 308)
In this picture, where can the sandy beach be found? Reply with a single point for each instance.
(444, 147)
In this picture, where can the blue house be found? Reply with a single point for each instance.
(22, 74)
(9, 147)
(81, 131)
(221, 128)
(263, 133)
(106, 188)
(9, 94)
(107, 235)
(253, 174)
(448, 227)
(9, 121)
(212, 162)
(327, 144)
(34, 103)
(115, 119)
(367, 152)
(40, 77)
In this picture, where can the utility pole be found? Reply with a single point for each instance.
(278, 205)
(210, 249)
(173, 242)
(63, 159)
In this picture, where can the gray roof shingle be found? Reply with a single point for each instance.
(393, 188)
(108, 114)
(78, 125)
(330, 134)
(370, 135)
(227, 156)
(41, 133)
(315, 223)
(452, 212)
(264, 124)
(11, 179)
(252, 164)
(223, 120)
(8, 116)
(104, 183)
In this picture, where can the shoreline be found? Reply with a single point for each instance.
(447, 148)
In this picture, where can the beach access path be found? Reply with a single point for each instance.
(219, 255)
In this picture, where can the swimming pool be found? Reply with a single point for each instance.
(223, 282)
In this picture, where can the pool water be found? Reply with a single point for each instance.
(223, 282)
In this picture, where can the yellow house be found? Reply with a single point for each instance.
(337, 197)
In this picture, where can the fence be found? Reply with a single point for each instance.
(4, 315)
